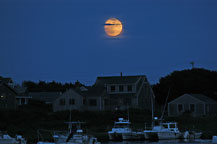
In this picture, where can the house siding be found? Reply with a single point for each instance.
(186, 100)
(7, 98)
(70, 94)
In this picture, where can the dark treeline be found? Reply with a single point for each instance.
(195, 81)
(43, 86)
(192, 81)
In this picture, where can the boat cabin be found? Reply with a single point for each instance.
(122, 123)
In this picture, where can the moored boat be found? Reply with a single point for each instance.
(192, 135)
(133, 135)
(72, 137)
(163, 130)
(122, 126)
(6, 139)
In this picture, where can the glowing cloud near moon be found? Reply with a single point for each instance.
(113, 27)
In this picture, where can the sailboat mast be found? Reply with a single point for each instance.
(165, 105)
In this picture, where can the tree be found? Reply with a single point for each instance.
(197, 81)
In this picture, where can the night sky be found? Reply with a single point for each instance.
(65, 41)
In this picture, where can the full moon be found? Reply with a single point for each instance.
(113, 27)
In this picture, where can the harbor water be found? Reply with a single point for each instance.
(199, 141)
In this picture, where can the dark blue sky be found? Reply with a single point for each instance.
(64, 40)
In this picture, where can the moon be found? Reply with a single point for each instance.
(113, 27)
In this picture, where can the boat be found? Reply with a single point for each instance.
(168, 130)
(120, 127)
(72, 137)
(7, 139)
(192, 135)
(163, 131)
(133, 135)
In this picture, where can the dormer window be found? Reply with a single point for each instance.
(121, 88)
(112, 88)
(129, 88)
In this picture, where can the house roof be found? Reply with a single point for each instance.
(119, 79)
(19, 89)
(7, 86)
(199, 97)
(47, 97)
(203, 98)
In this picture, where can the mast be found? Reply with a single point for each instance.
(128, 113)
(152, 102)
(165, 105)
(152, 106)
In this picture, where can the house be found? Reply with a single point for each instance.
(22, 97)
(122, 92)
(69, 100)
(7, 97)
(196, 104)
(109, 93)
(46, 97)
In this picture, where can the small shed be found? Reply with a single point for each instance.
(196, 104)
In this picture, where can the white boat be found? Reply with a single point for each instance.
(75, 138)
(168, 130)
(6, 139)
(163, 131)
(120, 127)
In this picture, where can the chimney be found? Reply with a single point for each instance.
(121, 74)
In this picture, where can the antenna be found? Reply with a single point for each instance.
(192, 64)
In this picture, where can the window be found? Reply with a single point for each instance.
(84, 101)
(62, 101)
(180, 107)
(129, 88)
(172, 126)
(121, 88)
(112, 88)
(207, 108)
(192, 107)
(23, 101)
(165, 125)
(71, 101)
(92, 102)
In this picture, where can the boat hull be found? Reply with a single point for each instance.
(115, 136)
(151, 135)
(133, 136)
(168, 135)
